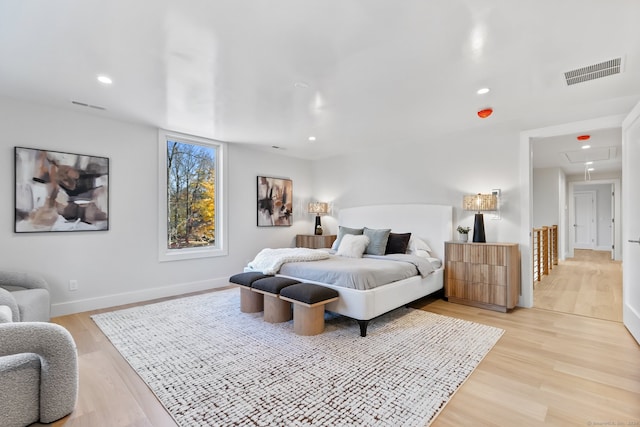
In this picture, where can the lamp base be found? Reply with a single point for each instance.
(478, 229)
(318, 229)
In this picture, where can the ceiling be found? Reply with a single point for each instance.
(356, 74)
(603, 155)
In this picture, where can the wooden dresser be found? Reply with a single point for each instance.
(313, 241)
(484, 275)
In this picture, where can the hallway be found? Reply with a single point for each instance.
(590, 284)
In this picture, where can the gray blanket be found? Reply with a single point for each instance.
(359, 273)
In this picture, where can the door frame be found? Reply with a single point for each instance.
(630, 291)
(526, 190)
(614, 228)
(616, 214)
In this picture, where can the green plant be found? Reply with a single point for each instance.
(463, 230)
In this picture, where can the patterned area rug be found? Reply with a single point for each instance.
(211, 365)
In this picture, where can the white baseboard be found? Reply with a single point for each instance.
(603, 248)
(77, 306)
(631, 320)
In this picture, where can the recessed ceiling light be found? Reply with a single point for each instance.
(301, 85)
(483, 91)
(312, 138)
(584, 147)
(588, 163)
(591, 169)
(105, 79)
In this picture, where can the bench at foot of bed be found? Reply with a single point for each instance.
(250, 302)
(308, 306)
(276, 309)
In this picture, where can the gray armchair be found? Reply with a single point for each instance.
(38, 371)
(27, 295)
(38, 360)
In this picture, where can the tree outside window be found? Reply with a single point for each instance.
(191, 223)
(190, 195)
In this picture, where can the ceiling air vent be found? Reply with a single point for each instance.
(592, 72)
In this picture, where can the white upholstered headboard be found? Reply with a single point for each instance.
(432, 223)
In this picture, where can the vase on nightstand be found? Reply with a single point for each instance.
(463, 237)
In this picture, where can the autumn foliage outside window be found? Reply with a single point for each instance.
(191, 195)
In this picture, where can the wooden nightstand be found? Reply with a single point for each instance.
(484, 275)
(313, 241)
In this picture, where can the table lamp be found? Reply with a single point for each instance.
(479, 203)
(318, 208)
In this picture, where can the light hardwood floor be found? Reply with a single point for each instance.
(589, 284)
(549, 368)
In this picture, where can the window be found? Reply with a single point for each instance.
(191, 211)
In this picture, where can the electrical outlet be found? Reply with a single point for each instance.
(73, 285)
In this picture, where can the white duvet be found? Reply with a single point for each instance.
(269, 261)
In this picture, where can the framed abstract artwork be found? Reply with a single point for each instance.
(275, 202)
(57, 191)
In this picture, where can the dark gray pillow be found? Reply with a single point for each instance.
(345, 230)
(398, 243)
(377, 240)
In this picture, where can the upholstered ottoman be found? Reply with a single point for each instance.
(308, 306)
(276, 310)
(250, 302)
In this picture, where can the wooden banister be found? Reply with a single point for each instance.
(545, 251)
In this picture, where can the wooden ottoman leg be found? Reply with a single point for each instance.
(308, 306)
(276, 310)
(308, 319)
(250, 302)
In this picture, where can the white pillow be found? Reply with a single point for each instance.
(345, 230)
(352, 246)
(421, 253)
(417, 244)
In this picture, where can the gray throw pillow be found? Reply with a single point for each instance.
(377, 240)
(341, 233)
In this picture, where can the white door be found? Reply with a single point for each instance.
(631, 222)
(584, 204)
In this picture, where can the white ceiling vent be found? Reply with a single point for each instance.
(592, 72)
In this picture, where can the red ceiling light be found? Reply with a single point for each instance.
(483, 114)
(583, 137)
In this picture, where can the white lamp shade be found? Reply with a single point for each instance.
(318, 208)
(480, 202)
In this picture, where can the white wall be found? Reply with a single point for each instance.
(550, 203)
(121, 265)
(546, 196)
(563, 233)
(438, 170)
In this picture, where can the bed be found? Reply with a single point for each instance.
(430, 223)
